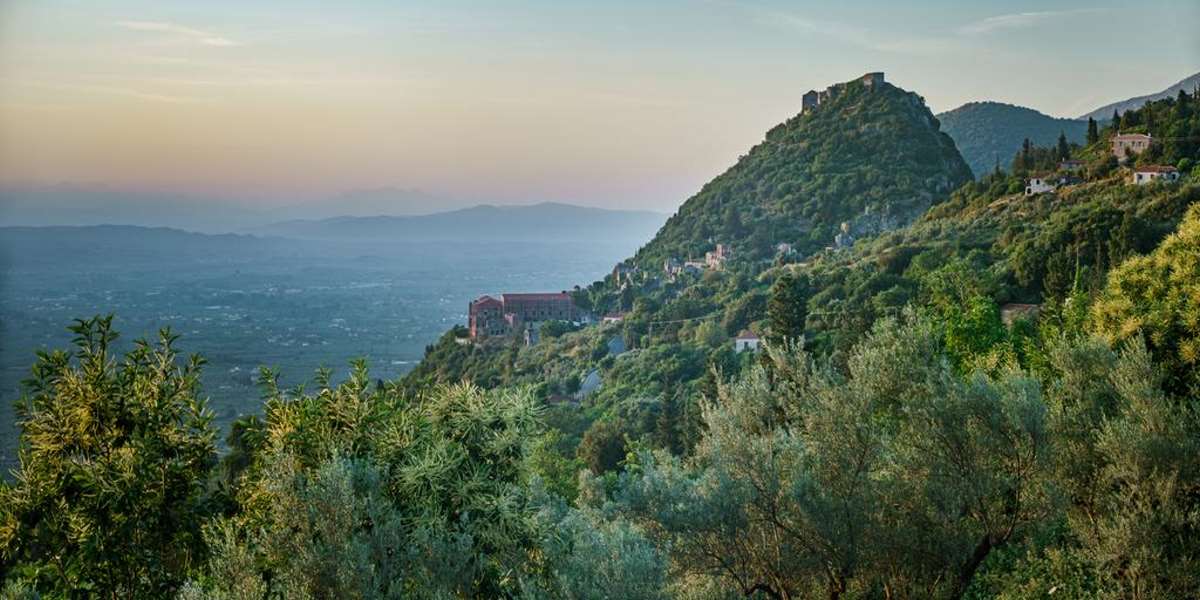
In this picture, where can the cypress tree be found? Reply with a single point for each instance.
(1064, 149)
(787, 309)
(1093, 132)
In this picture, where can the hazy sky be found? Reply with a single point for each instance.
(612, 103)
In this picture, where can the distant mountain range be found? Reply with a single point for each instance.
(386, 201)
(126, 244)
(987, 132)
(73, 205)
(1105, 112)
(536, 222)
(384, 213)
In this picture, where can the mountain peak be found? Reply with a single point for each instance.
(988, 132)
(1187, 84)
(870, 155)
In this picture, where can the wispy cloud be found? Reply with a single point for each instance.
(195, 35)
(1019, 20)
(854, 35)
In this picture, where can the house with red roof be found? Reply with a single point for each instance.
(1149, 173)
(515, 313)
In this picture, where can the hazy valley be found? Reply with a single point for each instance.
(247, 301)
(880, 348)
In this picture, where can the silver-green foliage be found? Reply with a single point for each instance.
(898, 476)
(358, 491)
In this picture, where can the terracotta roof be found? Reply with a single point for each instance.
(1132, 136)
(547, 296)
(1154, 169)
(746, 334)
(485, 301)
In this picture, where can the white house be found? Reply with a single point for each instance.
(1144, 175)
(746, 340)
(1038, 185)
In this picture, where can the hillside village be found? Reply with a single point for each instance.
(521, 315)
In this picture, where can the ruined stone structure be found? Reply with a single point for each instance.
(813, 99)
(715, 259)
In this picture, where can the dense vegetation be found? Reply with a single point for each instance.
(898, 438)
(987, 133)
(815, 171)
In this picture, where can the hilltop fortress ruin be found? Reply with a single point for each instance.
(813, 99)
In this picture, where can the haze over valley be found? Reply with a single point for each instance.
(647, 300)
(245, 301)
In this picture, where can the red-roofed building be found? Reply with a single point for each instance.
(1146, 174)
(513, 313)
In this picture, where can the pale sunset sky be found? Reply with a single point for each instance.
(614, 103)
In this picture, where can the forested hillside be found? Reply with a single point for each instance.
(988, 134)
(991, 398)
(870, 157)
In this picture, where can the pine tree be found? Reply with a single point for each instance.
(1064, 149)
(1093, 132)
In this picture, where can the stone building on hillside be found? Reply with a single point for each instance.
(808, 101)
(715, 259)
(518, 313)
(1126, 144)
(872, 80)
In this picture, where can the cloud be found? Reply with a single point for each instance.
(1018, 20)
(195, 35)
(854, 35)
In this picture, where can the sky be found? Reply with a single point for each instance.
(616, 104)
